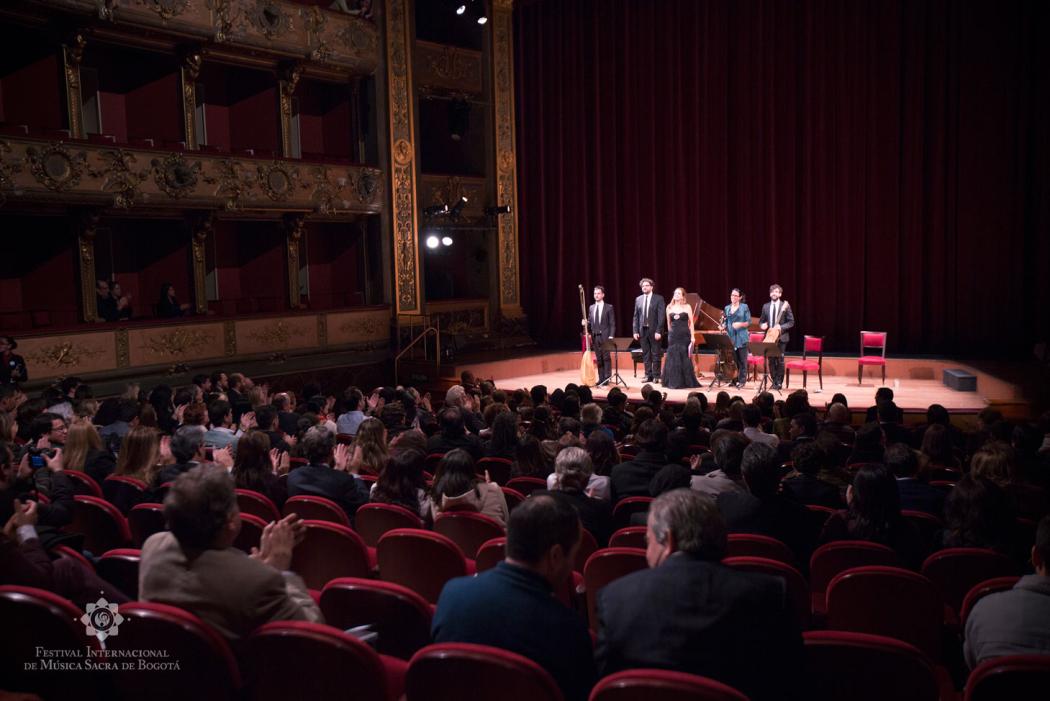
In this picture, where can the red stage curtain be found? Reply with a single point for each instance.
(886, 162)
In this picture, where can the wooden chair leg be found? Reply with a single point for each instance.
(804, 374)
(787, 377)
(820, 376)
(860, 373)
(884, 374)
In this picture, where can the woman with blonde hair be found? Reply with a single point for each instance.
(678, 361)
(370, 449)
(140, 454)
(84, 452)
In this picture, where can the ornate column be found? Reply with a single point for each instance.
(294, 225)
(506, 160)
(190, 70)
(403, 158)
(201, 229)
(88, 227)
(288, 79)
(72, 54)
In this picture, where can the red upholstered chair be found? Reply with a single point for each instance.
(468, 530)
(588, 546)
(513, 497)
(629, 537)
(68, 553)
(316, 509)
(399, 616)
(607, 565)
(252, 502)
(327, 664)
(629, 450)
(490, 554)
(831, 558)
(83, 483)
(39, 618)
(124, 492)
(527, 485)
(401, 551)
(251, 532)
(887, 601)
(120, 568)
(755, 545)
(754, 362)
(810, 345)
(329, 550)
(102, 525)
(926, 524)
(1009, 677)
(144, 520)
(431, 462)
(872, 340)
(861, 667)
(662, 685)
(955, 571)
(499, 469)
(201, 652)
(627, 507)
(374, 519)
(458, 671)
(797, 589)
(981, 590)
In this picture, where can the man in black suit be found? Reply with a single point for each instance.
(690, 613)
(915, 494)
(631, 478)
(328, 473)
(603, 327)
(776, 314)
(650, 325)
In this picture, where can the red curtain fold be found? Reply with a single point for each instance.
(886, 162)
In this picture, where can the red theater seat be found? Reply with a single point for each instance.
(1014, 677)
(120, 568)
(662, 685)
(468, 530)
(102, 525)
(461, 671)
(955, 571)
(401, 552)
(755, 545)
(797, 589)
(832, 558)
(144, 520)
(605, 566)
(251, 502)
(374, 519)
(328, 551)
(629, 537)
(399, 616)
(316, 509)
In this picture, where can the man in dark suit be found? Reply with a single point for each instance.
(690, 613)
(512, 606)
(915, 494)
(327, 474)
(631, 478)
(603, 327)
(650, 325)
(776, 314)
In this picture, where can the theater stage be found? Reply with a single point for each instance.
(916, 382)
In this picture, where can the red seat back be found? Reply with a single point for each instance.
(664, 685)
(401, 551)
(955, 571)
(83, 483)
(831, 558)
(887, 601)
(329, 550)
(431, 462)
(490, 554)
(374, 519)
(202, 654)
(605, 566)
(861, 667)
(326, 660)
(588, 546)
(120, 568)
(981, 590)
(124, 492)
(102, 525)
(513, 497)
(251, 532)
(458, 671)
(1009, 677)
(316, 509)
(629, 537)
(627, 507)
(257, 504)
(144, 520)
(527, 485)
(399, 616)
(797, 589)
(499, 469)
(468, 530)
(755, 545)
(926, 524)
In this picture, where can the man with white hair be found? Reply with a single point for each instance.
(459, 397)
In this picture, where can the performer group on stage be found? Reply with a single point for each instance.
(654, 319)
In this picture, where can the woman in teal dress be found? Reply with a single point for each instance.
(737, 320)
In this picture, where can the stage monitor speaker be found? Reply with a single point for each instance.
(960, 380)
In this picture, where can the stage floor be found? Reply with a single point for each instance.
(916, 382)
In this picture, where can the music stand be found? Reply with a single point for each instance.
(720, 343)
(610, 346)
(767, 351)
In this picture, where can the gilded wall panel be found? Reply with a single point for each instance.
(358, 327)
(68, 354)
(169, 345)
(276, 334)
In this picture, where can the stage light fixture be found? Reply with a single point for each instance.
(433, 242)
(435, 209)
(494, 211)
(446, 240)
(457, 208)
(461, 9)
(483, 19)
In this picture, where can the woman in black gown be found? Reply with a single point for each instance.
(678, 363)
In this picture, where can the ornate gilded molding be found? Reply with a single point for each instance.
(176, 343)
(66, 355)
(276, 334)
(192, 58)
(506, 171)
(118, 177)
(123, 348)
(174, 175)
(277, 179)
(232, 182)
(447, 189)
(270, 18)
(294, 225)
(55, 166)
(72, 54)
(448, 68)
(402, 149)
(201, 228)
(86, 260)
(229, 336)
(322, 330)
(8, 170)
(166, 9)
(368, 326)
(288, 79)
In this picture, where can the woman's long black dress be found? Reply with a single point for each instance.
(678, 366)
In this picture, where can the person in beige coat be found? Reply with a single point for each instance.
(457, 487)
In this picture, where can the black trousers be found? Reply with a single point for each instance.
(776, 365)
(650, 352)
(603, 356)
(741, 364)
